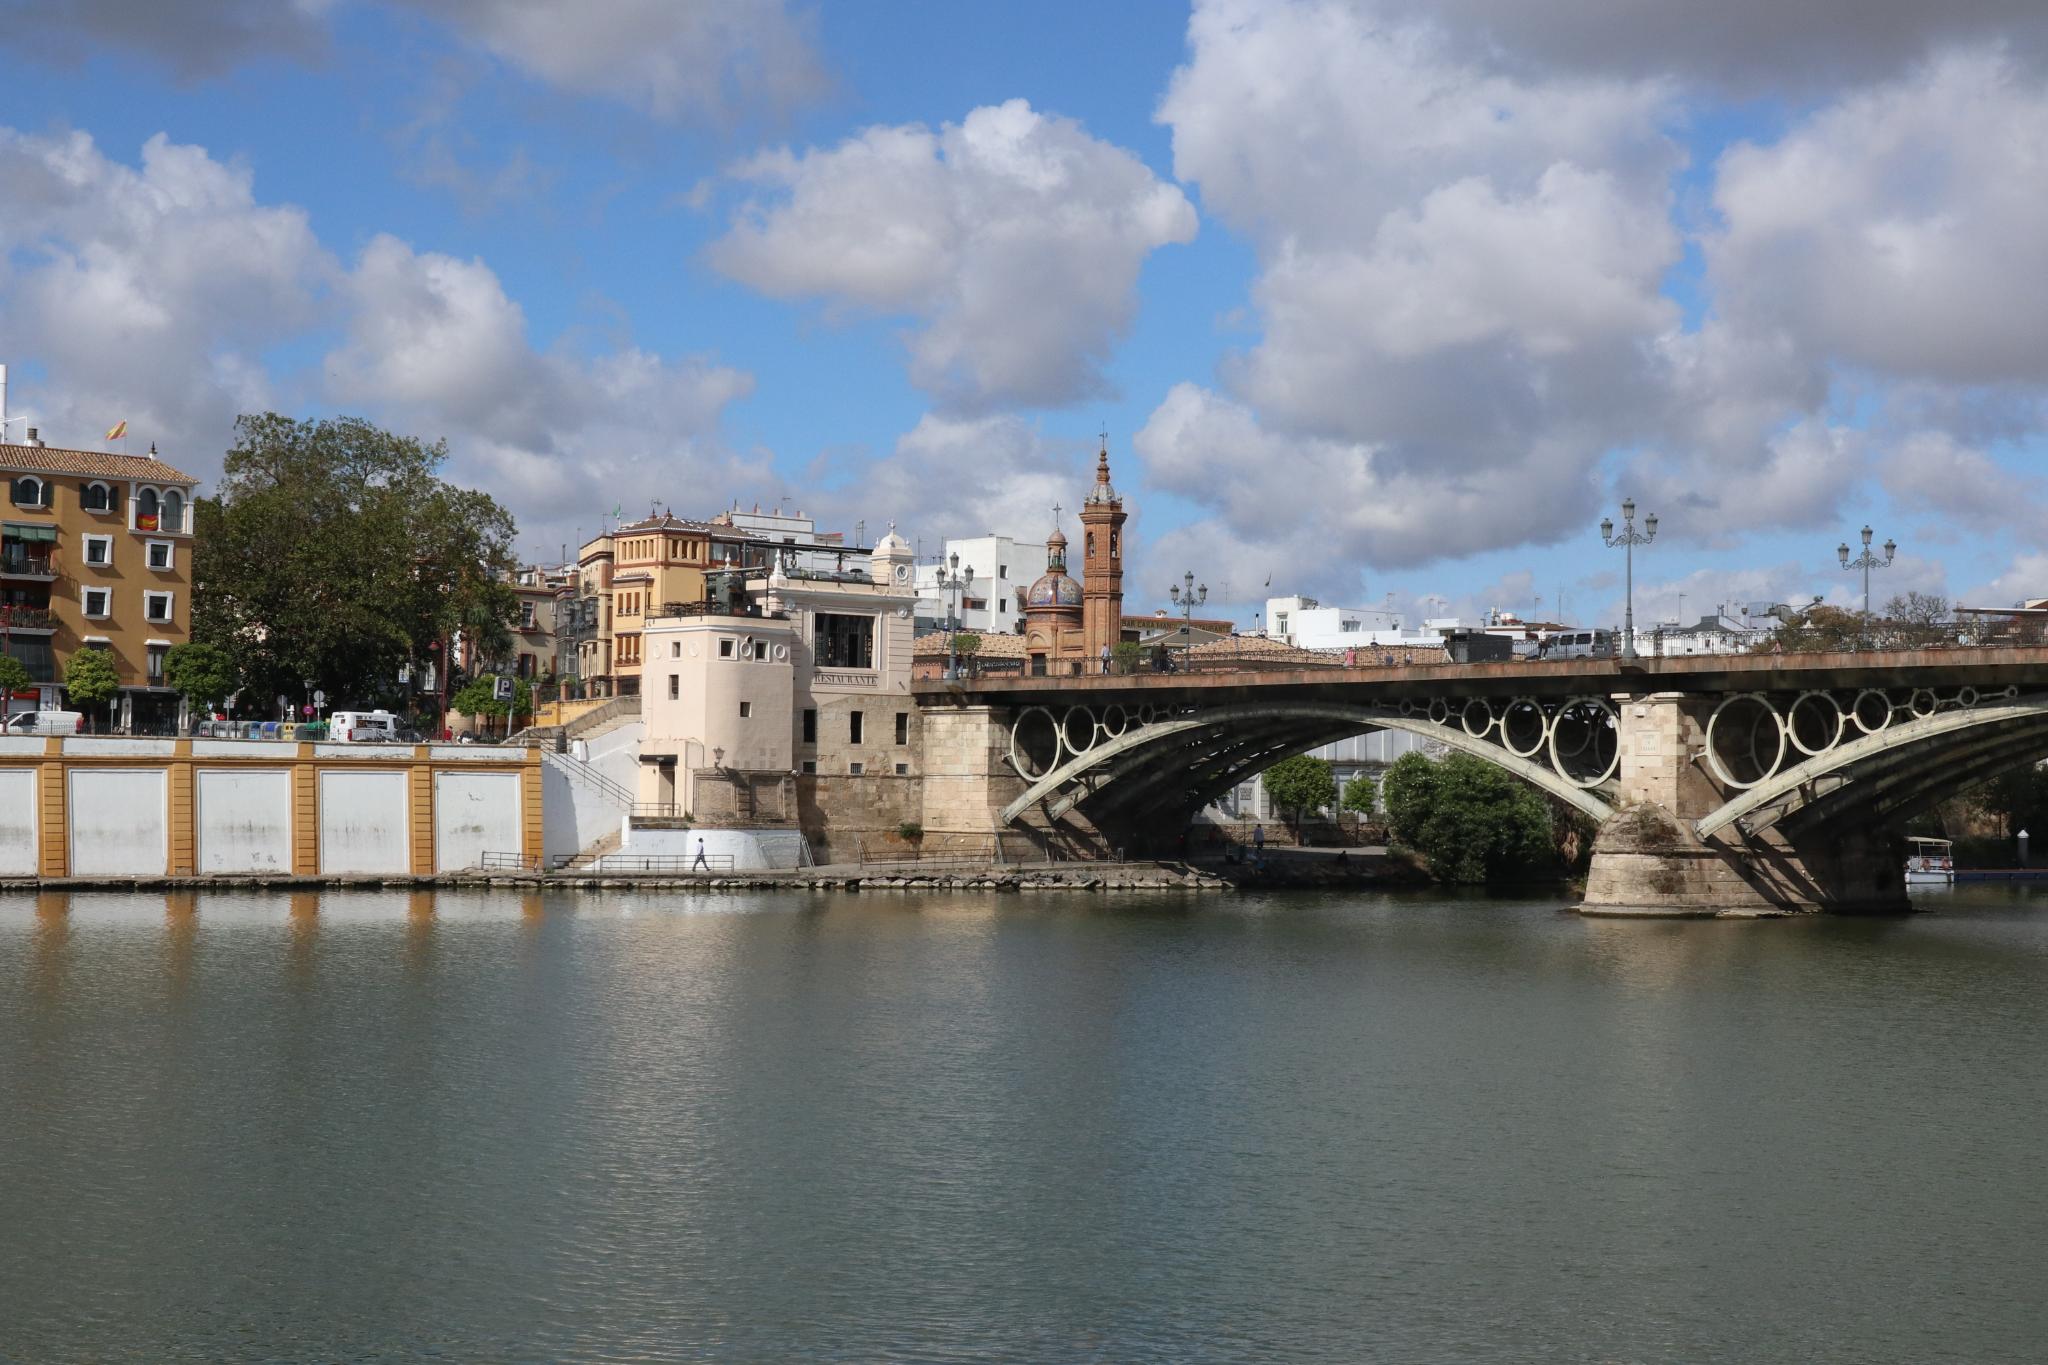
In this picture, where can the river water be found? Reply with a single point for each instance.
(1299, 1127)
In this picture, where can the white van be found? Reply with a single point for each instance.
(44, 723)
(362, 727)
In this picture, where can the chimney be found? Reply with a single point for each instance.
(33, 439)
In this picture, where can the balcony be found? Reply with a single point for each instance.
(17, 562)
(29, 620)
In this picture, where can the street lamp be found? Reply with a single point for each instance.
(952, 581)
(1866, 562)
(1187, 597)
(1628, 540)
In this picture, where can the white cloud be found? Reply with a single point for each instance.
(669, 59)
(1900, 228)
(1013, 238)
(1931, 472)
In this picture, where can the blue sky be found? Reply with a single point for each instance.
(1370, 297)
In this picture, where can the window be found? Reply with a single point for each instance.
(902, 770)
(29, 492)
(155, 659)
(99, 550)
(810, 725)
(1002, 571)
(725, 649)
(746, 710)
(156, 606)
(854, 727)
(94, 601)
(856, 768)
(1038, 665)
(174, 511)
(526, 616)
(839, 641)
(675, 649)
(147, 505)
(159, 554)
(675, 687)
(903, 727)
(810, 765)
(96, 497)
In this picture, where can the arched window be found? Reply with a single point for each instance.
(28, 492)
(146, 510)
(174, 511)
(96, 497)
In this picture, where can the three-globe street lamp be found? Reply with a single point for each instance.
(1629, 538)
(1187, 597)
(955, 584)
(1866, 562)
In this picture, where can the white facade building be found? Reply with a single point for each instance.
(988, 602)
(1307, 623)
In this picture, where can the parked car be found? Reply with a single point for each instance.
(44, 723)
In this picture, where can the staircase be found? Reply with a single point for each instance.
(591, 778)
(589, 725)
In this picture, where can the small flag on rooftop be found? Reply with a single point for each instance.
(119, 430)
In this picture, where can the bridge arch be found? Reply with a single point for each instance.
(1205, 751)
(1893, 769)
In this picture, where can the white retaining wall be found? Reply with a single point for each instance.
(243, 819)
(365, 823)
(474, 814)
(120, 823)
(18, 821)
(751, 850)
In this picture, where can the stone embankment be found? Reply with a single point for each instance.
(955, 877)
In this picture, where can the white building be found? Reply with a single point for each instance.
(988, 601)
(1733, 628)
(1305, 622)
(1364, 756)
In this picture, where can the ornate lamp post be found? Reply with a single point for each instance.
(955, 583)
(1628, 540)
(1866, 562)
(1187, 597)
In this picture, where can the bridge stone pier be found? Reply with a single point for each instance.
(1753, 784)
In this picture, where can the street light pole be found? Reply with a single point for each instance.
(1628, 540)
(1867, 561)
(951, 581)
(1186, 596)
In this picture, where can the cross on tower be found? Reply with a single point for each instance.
(1055, 516)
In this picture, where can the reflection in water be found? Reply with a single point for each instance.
(1281, 1128)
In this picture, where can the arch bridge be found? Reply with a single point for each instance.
(1740, 783)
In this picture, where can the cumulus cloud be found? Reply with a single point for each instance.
(1932, 472)
(1013, 239)
(671, 60)
(1899, 228)
(437, 341)
(713, 62)
(146, 293)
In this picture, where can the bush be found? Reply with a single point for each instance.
(1301, 784)
(1471, 820)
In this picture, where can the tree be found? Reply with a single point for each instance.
(1472, 821)
(335, 554)
(200, 673)
(1300, 784)
(14, 676)
(89, 678)
(1815, 629)
(1361, 794)
(1917, 620)
(1126, 655)
(478, 697)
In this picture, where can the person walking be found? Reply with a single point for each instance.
(1105, 658)
(701, 864)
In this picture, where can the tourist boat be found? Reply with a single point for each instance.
(1928, 862)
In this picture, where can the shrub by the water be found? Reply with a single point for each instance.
(1472, 821)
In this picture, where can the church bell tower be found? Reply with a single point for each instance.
(1102, 563)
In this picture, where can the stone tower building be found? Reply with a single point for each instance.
(1102, 564)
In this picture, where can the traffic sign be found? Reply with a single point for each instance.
(319, 699)
(309, 712)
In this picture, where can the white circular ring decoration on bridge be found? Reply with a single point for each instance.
(1966, 697)
(1114, 720)
(1083, 719)
(1872, 710)
(1022, 760)
(1439, 711)
(1412, 707)
(1146, 715)
(1923, 703)
(1515, 732)
(1817, 717)
(1755, 768)
(1485, 709)
(1581, 727)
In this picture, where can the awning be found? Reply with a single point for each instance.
(20, 530)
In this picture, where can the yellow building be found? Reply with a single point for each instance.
(629, 574)
(96, 553)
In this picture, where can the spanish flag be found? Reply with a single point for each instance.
(120, 429)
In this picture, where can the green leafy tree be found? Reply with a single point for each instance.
(1472, 821)
(1126, 655)
(200, 673)
(89, 678)
(335, 553)
(1301, 784)
(14, 676)
(477, 697)
(1361, 795)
